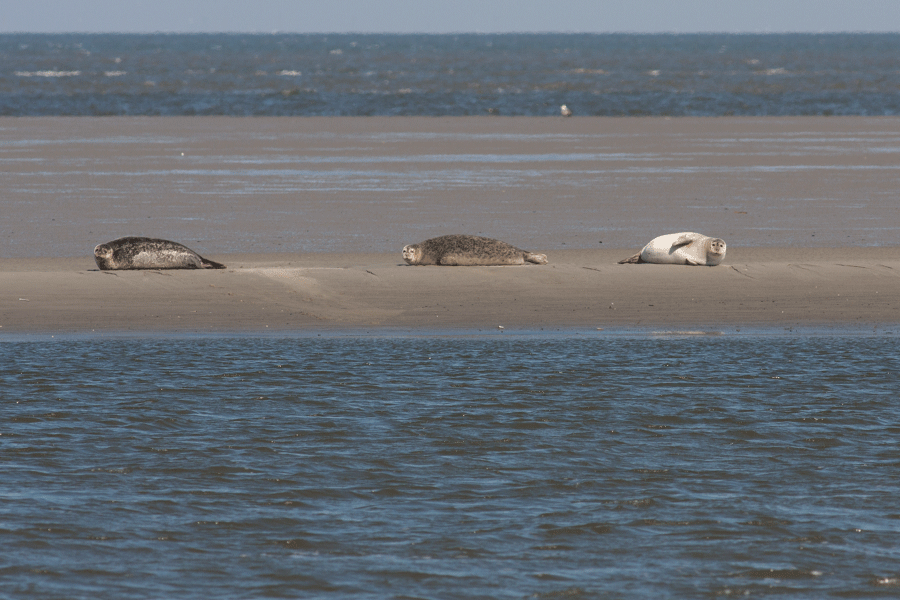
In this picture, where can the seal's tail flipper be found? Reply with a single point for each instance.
(634, 260)
(538, 259)
(211, 264)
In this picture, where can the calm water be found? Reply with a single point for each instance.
(637, 466)
(513, 74)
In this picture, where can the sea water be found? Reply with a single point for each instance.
(499, 74)
(624, 466)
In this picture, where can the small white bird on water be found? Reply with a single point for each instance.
(565, 111)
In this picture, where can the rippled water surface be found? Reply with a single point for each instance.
(483, 467)
(511, 74)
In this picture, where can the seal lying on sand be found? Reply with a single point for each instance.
(149, 253)
(468, 250)
(681, 249)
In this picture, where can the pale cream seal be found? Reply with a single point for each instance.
(684, 248)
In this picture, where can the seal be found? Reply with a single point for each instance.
(468, 250)
(684, 248)
(149, 253)
(565, 111)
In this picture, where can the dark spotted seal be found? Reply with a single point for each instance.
(681, 249)
(149, 253)
(468, 250)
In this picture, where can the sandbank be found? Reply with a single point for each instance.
(579, 289)
(310, 215)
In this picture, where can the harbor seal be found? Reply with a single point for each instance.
(468, 250)
(149, 253)
(684, 248)
(565, 111)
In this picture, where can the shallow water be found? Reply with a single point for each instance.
(623, 466)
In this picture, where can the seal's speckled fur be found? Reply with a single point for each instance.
(468, 250)
(149, 253)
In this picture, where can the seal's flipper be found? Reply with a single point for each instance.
(685, 240)
(205, 263)
(634, 260)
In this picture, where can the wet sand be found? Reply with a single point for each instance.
(310, 215)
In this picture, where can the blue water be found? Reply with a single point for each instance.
(510, 74)
(632, 466)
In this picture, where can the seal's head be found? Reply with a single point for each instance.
(103, 254)
(412, 254)
(717, 247)
(715, 251)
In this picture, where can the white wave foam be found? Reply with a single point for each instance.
(48, 73)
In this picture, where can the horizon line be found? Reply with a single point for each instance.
(448, 33)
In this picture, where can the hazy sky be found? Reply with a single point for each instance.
(449, 16)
